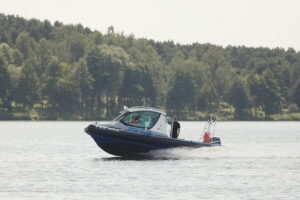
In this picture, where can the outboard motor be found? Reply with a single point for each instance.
(215, 140)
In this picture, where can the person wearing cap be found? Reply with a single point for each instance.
(176, 127)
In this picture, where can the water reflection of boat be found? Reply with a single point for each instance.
(138, 130)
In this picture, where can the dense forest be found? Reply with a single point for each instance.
(51, 71)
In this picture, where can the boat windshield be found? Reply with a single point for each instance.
(122, 113)
(141, 119)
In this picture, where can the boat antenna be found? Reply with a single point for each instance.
(216, 119)
(214, 123)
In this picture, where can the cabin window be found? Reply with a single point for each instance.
(169, 123)
(141, 119)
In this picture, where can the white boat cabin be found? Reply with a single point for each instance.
(144, 120)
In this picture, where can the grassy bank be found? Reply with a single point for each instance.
(225, 114)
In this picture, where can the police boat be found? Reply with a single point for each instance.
(139, 130)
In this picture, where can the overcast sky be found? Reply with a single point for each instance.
(267, 23)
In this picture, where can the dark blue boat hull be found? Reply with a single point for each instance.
(123, 143)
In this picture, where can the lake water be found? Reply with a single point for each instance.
(57, 160)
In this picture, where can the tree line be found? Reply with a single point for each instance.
(57, 71)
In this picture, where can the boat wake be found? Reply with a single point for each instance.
(186, 153)
(250, 151)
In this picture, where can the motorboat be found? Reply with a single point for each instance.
(125, 137)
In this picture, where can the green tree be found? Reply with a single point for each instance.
(137, 88)
(94, 62)
(266, 93)
(206, 97)
(17, 57)
(296, 93)
(150, 92)
(219, 71)
(215, 58)
(5, 51)
(271, 96)
(28, 87)
(65, 98)
(61, 88)
(146, 60)
(4, 79)
(41, 57)
(110, 65)
(76, 45)
(14, 79)
(131, 91)
(52, 76)
(25, 43)
(84, 82)
(238, 97)
(181, 93)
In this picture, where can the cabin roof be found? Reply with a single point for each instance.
(143, 108)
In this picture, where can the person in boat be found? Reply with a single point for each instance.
(207, 137)
(136, 119)
(176, 127)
